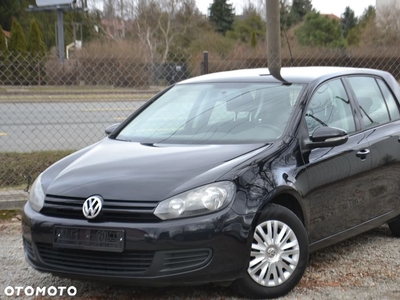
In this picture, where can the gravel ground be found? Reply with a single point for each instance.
(365, 267)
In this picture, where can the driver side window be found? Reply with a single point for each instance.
(330, 106)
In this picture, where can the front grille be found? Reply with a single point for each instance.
(28, 249)
(109, 263)
(177, 260)
(113, 210)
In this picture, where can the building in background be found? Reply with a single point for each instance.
(332, 16)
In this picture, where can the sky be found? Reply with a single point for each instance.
(336, 7)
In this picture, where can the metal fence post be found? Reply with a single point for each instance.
(205, 62)
(60, 24)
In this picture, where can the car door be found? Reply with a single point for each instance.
(339, 178)
(380, 118)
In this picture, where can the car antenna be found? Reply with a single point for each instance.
(276, 73)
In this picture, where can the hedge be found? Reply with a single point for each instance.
(16, 168)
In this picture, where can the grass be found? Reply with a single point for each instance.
(16, 168)
(6, 215)
(79, 89)
(75, 97)
(15, 187)
(74, 93)
(76, 88)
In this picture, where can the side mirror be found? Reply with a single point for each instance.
(111, 128)
(327, 137)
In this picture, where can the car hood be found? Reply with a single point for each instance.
(133, 171)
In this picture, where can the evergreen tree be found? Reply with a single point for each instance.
(222, 16)
(244, 28)
(320, 30)
(17, 43)
(4, 71)
(285, 14)
(292, 13)
(37, 51)
(253, 41)
(36, 45)
(8, 10)
(368, 14)
(299, 10)
(16, 9)
(3, 45)
(19, 65)
(348, 21)
(355, 34)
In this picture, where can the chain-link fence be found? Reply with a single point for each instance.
(49, 109)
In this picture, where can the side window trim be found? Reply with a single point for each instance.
(379, 79)
(383, 97)
(397, 100)
(354, 105)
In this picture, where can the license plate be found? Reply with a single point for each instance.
(89, 239)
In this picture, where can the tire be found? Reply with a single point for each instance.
(395, 227)
(285, 263)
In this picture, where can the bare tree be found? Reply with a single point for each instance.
(115, 14)
(158, 23)
(168, 24)
(387, 17)
(146, 24)
(384, 28)
(122, 12)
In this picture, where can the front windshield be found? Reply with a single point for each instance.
(215, 113)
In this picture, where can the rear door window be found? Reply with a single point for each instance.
(390, 100)
(373, 106)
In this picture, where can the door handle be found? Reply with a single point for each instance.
(363, 153)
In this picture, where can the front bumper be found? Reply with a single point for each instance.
(198, 250)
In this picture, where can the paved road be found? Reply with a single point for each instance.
(28, 127)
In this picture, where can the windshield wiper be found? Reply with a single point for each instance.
(344, 100)
(363, 110)
(367, 115)
(122, 140)
(318, 120)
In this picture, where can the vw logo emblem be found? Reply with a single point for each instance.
(92, 207)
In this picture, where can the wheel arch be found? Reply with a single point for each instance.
(277, 216)
(288, 199)
(290, 202)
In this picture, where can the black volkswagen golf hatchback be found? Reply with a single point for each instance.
(231, 178)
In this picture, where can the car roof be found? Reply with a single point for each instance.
(291, 74)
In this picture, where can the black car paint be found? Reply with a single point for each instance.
(285, 170)
(126, 175)
(385, 149)
(222, 232)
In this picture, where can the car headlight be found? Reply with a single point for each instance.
(199, 201)
(36, 194)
